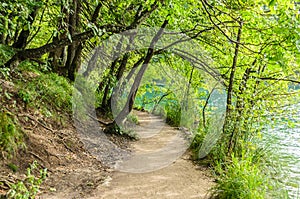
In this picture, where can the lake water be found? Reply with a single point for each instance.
(286, 140)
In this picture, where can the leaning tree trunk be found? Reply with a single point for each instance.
(131, 97)
(105, 99)
(229, 104)
(122, 67)
(75, 48)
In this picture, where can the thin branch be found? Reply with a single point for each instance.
(32, 118)
(279, 79)
(39, 25)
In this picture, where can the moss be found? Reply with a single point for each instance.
(11, 137)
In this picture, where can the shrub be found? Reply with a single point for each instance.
(5, 53)
(207, 143)
(197, 142)
(4, 73)
(254, 174)
(173, 113)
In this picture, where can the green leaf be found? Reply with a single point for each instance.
(272, 2)
(69, 37)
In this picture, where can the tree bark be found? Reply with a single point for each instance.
(34, 53)
(38, 52)
(131, 97)
(75, 48)
(230, 90)
(58, 57)
(105, 100)
(21, 42)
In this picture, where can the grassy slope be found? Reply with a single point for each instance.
(37, 106)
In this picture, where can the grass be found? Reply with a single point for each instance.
(252, 175)
(173, 113)
(47, 90)
(240, 178)
(11, 137)
(252, 171)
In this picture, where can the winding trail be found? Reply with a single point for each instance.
(159, 167)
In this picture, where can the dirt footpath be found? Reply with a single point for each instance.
(160, 146)
(158, 168)
(179, 180)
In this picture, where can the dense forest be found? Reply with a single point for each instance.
(71, 60)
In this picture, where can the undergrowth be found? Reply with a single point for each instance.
(5, 53)
(47, 90)
(240, 178)
(133, 118)
(251, 172)
(11, 137)
(173, 113)
(248, 176)
(125, 131)
(29, 187)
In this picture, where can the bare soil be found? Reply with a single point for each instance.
(73, 172)
(178, 179)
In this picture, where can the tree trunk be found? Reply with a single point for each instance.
(58, 57)
(75, 48)
(76, 62)
(105, 99)
(21, 42)
(34, 53)
(131, 97)
(228, 115)
(107, 86)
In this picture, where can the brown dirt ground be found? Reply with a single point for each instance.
(180, 179)
(54, 145)
(74, 173)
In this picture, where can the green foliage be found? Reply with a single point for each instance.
(241, 179)
(5, 53)
(4, 73)
(129, 133)
(124, 130)
(32, 67)
(207, 143)
(159, 110)
(252, 173)
(197, 142)
(266, 63)
(11, 137)
(29, 187)
(13, 167)
(15, 15)
(133, 118)
(173, 113)
(150, 96)
(48, 90)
